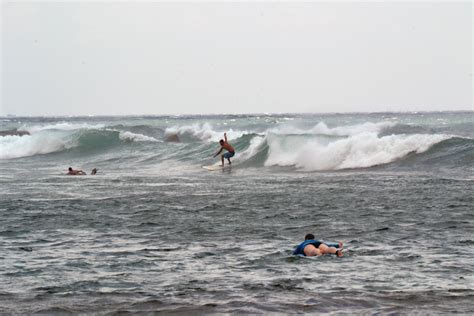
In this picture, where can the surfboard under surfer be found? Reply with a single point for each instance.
(230, 150)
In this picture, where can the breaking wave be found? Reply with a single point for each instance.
(358, 151)
(14, 146)
(62, 137)
(202, 132)
(133, 137)
(314, 148)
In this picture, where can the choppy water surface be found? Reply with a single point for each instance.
(153, 231)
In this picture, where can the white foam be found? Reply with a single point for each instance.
(322, 129)
(203, 132)
(30, 145)
(134, 137)
(350, 130)
(359, 151)
(60, 126)
(255, 144)
(200, 131)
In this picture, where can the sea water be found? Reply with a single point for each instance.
(155, 232)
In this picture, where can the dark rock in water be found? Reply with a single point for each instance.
(14, 133)
(172, 138)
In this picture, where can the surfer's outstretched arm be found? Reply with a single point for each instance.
(217, 153)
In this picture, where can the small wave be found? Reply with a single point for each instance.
(129, 136)
(322, 129)
(60, 126)
(147, 130)
(454, 152)
(406, 129)
(201, 132)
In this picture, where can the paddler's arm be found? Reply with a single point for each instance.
(217, 153)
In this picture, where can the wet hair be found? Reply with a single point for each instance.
(308, 237)
(221, 141)
(70, 169)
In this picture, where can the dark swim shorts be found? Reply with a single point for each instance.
(229, 154)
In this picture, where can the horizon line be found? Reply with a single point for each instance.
(238, 114)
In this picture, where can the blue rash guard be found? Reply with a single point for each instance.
(300, 249)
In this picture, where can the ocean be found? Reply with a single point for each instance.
(154, 232)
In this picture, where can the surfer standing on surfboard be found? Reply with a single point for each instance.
(230, 150)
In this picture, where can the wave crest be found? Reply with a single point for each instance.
(360, 151)
(202, 132)
(30, 145)
(322, 129)
(135, 137)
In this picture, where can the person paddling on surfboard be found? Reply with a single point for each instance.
(73, 172)
(312, 247)
(230, 150)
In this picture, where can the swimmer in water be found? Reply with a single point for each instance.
(313, 247)
(73, 172)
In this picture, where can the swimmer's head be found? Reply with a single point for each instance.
(308, 237)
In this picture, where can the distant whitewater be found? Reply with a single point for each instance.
(299, 142)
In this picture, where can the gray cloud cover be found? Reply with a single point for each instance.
(188, 58)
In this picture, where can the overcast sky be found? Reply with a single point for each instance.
(94, 58)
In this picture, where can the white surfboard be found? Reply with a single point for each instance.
(215, 167)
